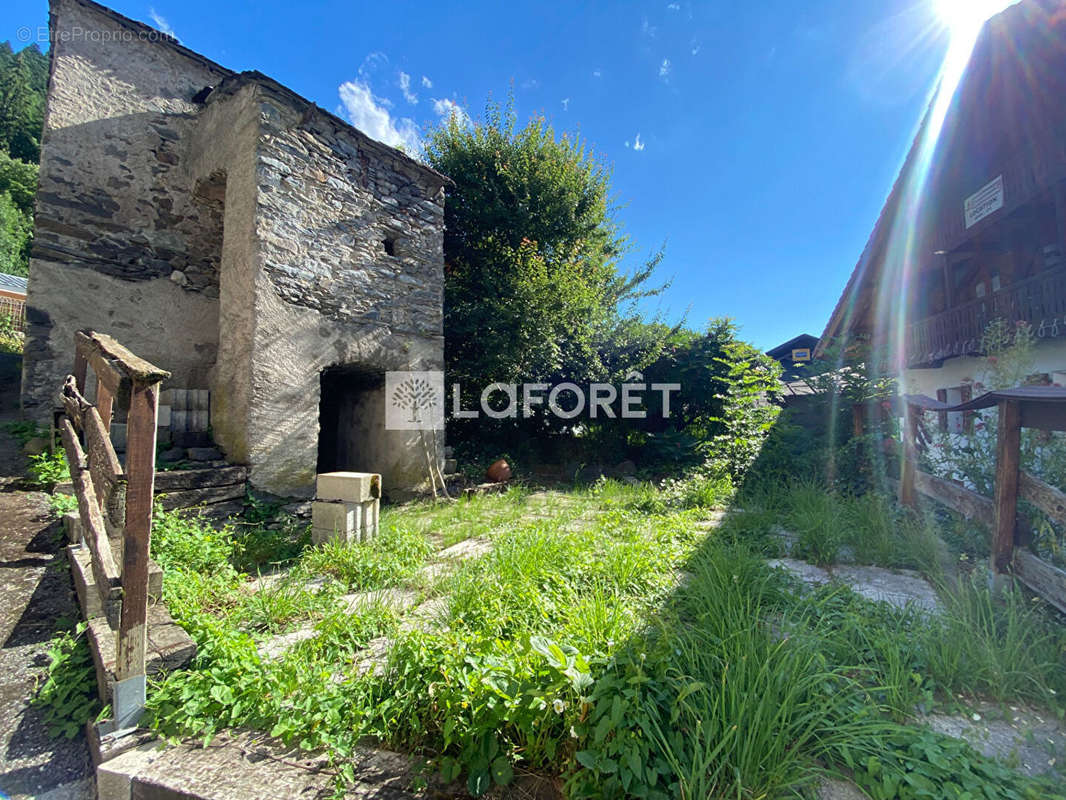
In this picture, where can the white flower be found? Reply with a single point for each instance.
(558, 705)
(573, 733)
(976, 717)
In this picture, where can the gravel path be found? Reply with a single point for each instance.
(35, 593)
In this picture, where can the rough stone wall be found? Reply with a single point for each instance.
(223, 148)
(245, 242)
(115, 205)
(331, 208)
(330, 295)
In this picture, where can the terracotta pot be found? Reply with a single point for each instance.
(499, 472)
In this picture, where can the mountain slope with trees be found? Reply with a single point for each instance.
(23, 86)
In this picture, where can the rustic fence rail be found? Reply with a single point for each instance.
(1041, 407)
(115, 502)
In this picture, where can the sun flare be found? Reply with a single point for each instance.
(965, 17)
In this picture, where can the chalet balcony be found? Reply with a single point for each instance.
(1039, 300)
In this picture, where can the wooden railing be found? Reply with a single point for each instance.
(1043, 407)
(958, 331)
(115, 502)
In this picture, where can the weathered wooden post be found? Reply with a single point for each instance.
(130, 688)
(858, 427)
(1008, 458)
(909, 463)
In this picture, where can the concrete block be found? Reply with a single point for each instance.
(163, 418)
(349, 487)
(349, 522)
(334, 520)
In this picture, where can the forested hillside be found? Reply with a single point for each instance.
(23, 83)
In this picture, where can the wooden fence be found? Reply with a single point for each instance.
(1029, 406)
(115, 502)
(15, 309)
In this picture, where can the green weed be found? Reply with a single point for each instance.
(67, 697)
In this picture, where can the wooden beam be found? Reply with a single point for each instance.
(1008, 459)
(1043, 578)
(908, 465)
(80, 368)
(140, 477)
(105, 405)
(108, 356)
(109, 480)
(1043, 415)
(1047, 498)
(105, 570)
(857, 424)
(969, 504)
(107, 374)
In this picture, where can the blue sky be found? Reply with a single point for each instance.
(756, 140)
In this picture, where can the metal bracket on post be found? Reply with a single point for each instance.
(129, 697)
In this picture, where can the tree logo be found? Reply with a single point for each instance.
(414, 401)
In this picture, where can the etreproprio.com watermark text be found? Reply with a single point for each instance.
(416, 400)
(43, 34)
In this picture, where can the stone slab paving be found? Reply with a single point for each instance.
(897, 587)
(1032, 741)
(36, 592)
(401, 598)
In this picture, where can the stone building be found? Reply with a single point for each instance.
(230, 231)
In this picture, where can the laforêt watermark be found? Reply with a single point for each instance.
(415, 400)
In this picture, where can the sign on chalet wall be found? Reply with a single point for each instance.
(983, 202)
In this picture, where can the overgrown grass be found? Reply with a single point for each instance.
(626, 652)
(395, 554)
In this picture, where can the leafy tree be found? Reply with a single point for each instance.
(16, 230)
(23, 84)
(533, 289)
(724, 408)
(18, 179)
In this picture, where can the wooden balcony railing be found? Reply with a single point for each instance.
(1039, 300)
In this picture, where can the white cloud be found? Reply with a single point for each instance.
(405, 87)
(371, 115)
(664, 68)
(674, 7)
(597, 73)
(647, 28)
(531, 83)
(638, 145)
(696, 47)
(426, 83)
(446, 109)
(161, 23)
(566, 104)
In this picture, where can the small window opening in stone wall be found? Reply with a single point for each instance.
(389, 243)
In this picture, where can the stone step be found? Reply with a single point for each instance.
(174, 480)
(207, 486)
(246, 766)
(207, 496)
(169, 647)
(81, 571)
